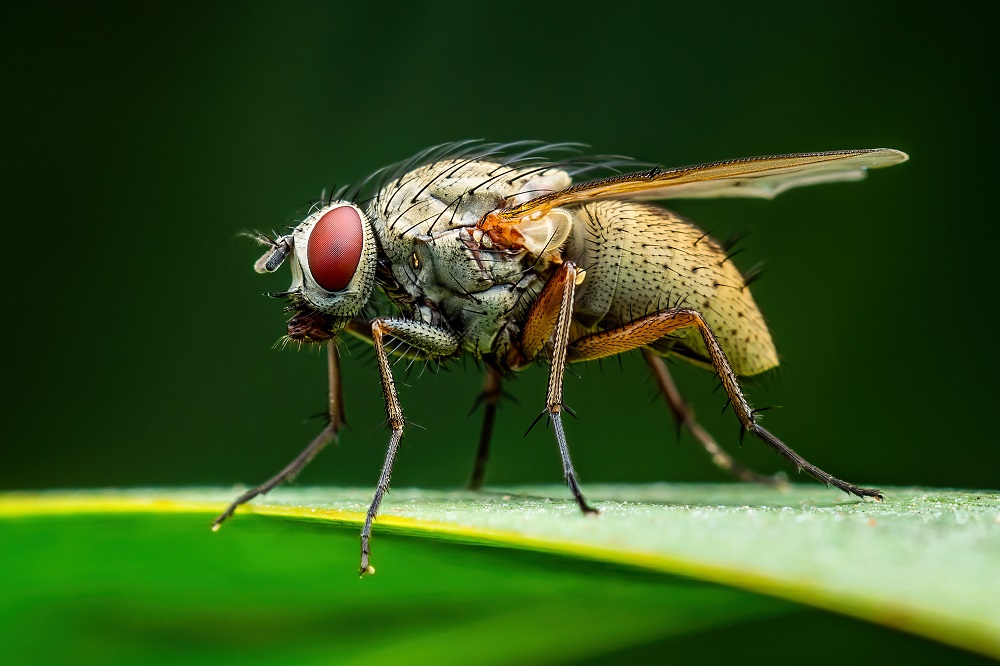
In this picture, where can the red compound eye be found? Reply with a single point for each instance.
(335, 248)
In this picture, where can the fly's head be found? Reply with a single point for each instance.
(333, 256)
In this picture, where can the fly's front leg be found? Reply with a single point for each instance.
(685, 418)
(335, 411)
(553, 309)
(652, 327)
(427, 338)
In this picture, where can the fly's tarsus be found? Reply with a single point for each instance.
(810, 469)
(288, 473)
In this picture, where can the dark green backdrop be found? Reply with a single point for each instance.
(140, 140)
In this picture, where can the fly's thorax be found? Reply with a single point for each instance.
(455, 193)
(333, 260)
(424, 221)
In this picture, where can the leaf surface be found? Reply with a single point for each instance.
(925, 561)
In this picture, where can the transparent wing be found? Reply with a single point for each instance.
(761, 177)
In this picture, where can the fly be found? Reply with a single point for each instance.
(492, 250)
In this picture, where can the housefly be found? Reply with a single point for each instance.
(497, 251)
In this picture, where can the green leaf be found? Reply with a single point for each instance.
(117, 584)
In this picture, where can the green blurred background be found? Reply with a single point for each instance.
(140, 139)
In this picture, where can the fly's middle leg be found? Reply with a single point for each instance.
(650, 328)
(490, 398)
(549, 319)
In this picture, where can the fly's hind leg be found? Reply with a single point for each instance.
(650, 328)
(335, 411)
(685, 418)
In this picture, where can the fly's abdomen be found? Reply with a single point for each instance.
(641, 259)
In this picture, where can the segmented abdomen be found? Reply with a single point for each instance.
(642, 258)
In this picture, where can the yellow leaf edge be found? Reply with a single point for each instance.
(942, 628)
